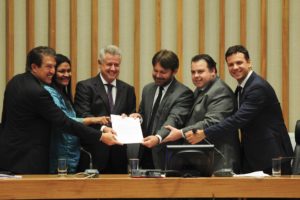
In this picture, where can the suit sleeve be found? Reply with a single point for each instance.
(83, 97)
(132, 101)
(218, 106)
(178, 113)
(47, 109)
(254, 102)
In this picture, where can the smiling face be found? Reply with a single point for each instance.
(110, 68)
(46, 71)
(63, 74)
(238, 66)
(162, 76)
(201, 74)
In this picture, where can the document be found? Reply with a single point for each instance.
(253, 174)
(128, 129)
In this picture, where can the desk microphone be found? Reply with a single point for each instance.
(208, 142)
(225, 172)
(93, 173)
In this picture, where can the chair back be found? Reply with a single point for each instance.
(296, 161)
(297, 133)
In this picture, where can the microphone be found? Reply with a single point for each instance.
(208, 142)
(224, 172)
(92, 173)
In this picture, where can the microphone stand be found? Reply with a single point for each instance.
(92, 173)
(225, 172)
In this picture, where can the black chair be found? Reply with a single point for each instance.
(296, 162)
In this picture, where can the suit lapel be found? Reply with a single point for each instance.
(100, 90)
(119, 96)
(149, 105)
(167, 94)
(248, 83)
(197, 100)
(200, 94)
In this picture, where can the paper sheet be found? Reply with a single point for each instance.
(252, 174)
(128, 129)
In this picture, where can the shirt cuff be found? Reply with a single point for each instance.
(159, 138)
(102, 128)
(182, 134)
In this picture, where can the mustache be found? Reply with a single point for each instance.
(159, 79)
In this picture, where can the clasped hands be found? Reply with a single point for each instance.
(193, 137)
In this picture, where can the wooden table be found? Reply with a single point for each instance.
(122, 186)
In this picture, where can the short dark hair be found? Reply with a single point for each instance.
(237, 49)
(35, 56)
(167, 59)
(211, 64)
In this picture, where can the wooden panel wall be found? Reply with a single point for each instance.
(139, 78)
(9, 39)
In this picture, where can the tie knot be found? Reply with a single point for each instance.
(161, 88)
(239, 88)
(109, 86)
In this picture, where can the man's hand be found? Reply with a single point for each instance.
(104, 120)
(175, 134)
(109, 130)
(195, 137)
(150, 141)
(135, 115)
(109, 139)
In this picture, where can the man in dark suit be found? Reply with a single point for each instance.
(28, 114)
(259, 118)
(164, 102)
(101, 96)
(213, 102)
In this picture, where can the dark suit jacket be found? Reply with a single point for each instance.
(173, 110)
(264, 135)
(91, 100)
(211, 106)
(28, 113)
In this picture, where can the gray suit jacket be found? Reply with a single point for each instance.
(173, 110)
(211, 106)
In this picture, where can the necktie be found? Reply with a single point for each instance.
(239, 95)
(154, 109)
(197, 92)
(109, 95)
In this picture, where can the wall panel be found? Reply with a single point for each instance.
(274, 45)
(294, 81)
(63, 27)
(41, 23)
(212, 29)
(2, 51)
(169, 25)
(232, 32)
(105, 23)
(148, 28)
(253, 33)
(190, 37)
(126, 39)
(20, 36)
(84, 41)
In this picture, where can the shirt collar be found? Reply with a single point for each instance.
(114, 83)
(167, 86)
(246, 79)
